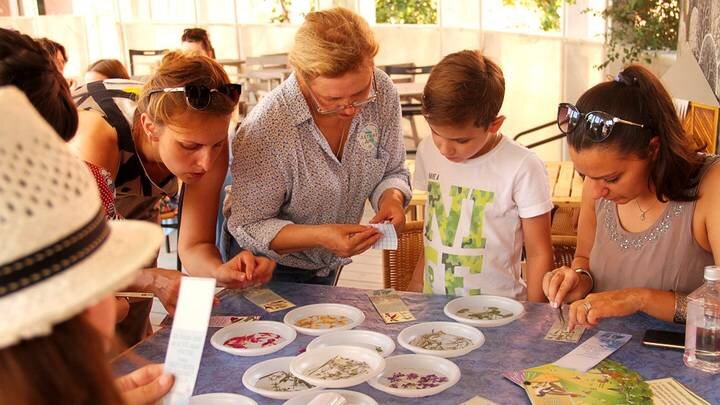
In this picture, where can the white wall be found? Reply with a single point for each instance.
(540, 70)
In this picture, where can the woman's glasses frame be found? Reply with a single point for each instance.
(357, 105)
(198, 96)
(598, 124)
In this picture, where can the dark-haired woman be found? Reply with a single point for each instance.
(197, 40)
(649, 222)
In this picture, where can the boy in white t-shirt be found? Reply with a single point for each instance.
(487, 195)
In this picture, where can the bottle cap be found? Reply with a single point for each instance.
(712, 273)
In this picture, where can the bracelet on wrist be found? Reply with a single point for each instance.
(580, 270)
(680, 315)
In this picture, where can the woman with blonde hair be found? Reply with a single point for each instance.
(149, 136)
(315, 149)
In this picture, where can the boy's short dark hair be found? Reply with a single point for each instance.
(465, 87)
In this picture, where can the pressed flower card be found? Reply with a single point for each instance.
(390, 306)
(267, 299)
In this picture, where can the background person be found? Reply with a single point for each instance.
(106, 69)
(197, 40)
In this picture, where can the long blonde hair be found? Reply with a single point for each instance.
(331, 43)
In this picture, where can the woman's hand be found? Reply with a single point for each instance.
(563, 285)
(245, 270)
(122, 307)
(346, 240)
(589, 311)
(146, 385)
(166, 286)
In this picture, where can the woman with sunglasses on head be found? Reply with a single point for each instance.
(315, 149)
(172, 128)
(649, 222)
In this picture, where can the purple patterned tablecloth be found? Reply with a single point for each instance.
(515, 346)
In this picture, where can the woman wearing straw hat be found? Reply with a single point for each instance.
(315, 149)
(55, 287)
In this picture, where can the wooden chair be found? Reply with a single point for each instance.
(701, 122)
(153, 54)
(563, 250)
(398, 265)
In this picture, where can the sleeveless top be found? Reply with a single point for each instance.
(664, 256)
(115, 100)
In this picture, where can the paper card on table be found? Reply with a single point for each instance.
(668, 391)
(478, 400)
(390, 306)
(388, 241)
(267, 299)
(607, 383)
(222, 321)
(558, 333)
(593, 350)
(187, 337)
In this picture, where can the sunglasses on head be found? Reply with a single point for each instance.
(599, 125)
(198, 96)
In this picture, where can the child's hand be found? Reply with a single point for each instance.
(391, 209)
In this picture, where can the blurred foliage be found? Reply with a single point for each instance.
(406, 12)
(549, 11)
(281, 11)
(639, 29)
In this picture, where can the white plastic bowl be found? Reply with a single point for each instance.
(352, 397)
(287, 334)
(361, 338)
(419, 364)
(221, 398)
(253, 374)
(355, 315)
(408, 334)
(304, 364)
(477, 303)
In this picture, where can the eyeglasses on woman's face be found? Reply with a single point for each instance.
(356, 105)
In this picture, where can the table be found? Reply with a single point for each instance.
(237, 63)
(515, 346)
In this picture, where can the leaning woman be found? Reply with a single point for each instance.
(174, 127)
(315, 149)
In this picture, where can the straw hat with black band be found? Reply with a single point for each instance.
(58, 254)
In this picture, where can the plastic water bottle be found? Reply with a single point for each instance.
(702, 330)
